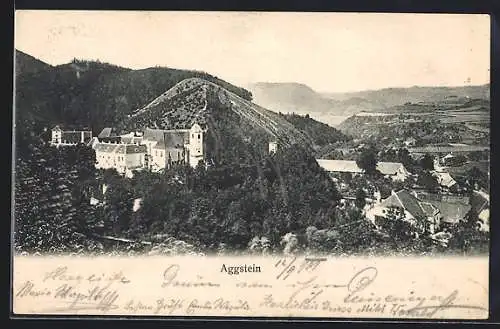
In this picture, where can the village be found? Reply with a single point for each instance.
(432, 212)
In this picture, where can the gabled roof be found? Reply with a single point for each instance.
(105, 147)
(176, 139)
(389, 168)
(120, 148)
(452, 212)
(386, 168)
(404, 199)
(167, 138)
(106, 132)
(339, 165)
(156, 135)
(479, 201)
(444, 179)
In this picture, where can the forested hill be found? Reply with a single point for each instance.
(320, 133)
(89, 93)
(26, 64)
(237, 129)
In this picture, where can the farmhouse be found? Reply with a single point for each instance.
(418, 213)
(444, 179)
(70, 137)
(394, 170)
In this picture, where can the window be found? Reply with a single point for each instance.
(199, 136)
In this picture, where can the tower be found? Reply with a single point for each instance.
(195, 145)
(56, 135)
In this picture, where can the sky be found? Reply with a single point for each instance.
(330, 52)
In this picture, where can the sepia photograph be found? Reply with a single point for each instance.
(316, 164)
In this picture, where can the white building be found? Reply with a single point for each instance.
(70, 137)
(273, 147)
(167, 147)
(418, 213)
(395, 170)
(123, 157)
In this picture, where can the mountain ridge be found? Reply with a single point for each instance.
(88, 93)
(298, 97)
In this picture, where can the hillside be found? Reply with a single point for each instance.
(291, 97)
(236, 126)
(299, 98)
(389, 97)
(87, 93)
(26, 64)
(320, 133)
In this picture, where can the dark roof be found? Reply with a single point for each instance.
(102, 147)
(404, 199)
(71, 136)
(153, 134)
(452, 212)
(107, 132)
(120, 148)
(176, 139)
(132, 148)
(411, 203)
(167, 138)
(479, 201)
(130, 139)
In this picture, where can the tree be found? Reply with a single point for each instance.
(467, 238)
(427, 162)
(367, 160)
(428, 181)
(360, 201)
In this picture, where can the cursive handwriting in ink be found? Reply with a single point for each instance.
(429, 311)
(100, 298)
(170, 279)
(61, 273)
(359, 282)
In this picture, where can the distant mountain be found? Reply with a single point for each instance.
(388, 97)
(299, 98)
(291, 97)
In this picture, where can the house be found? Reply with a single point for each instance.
(167, 147)
(394, 170)
(451, 160)
(480, 204)
(273, 147)
(123, 157)
(70, 137)
(453, 208)
(444, 179)
(423, 215)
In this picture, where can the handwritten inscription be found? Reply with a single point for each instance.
(288, 267)
(299, 286)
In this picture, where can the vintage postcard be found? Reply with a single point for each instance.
(251, 164)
